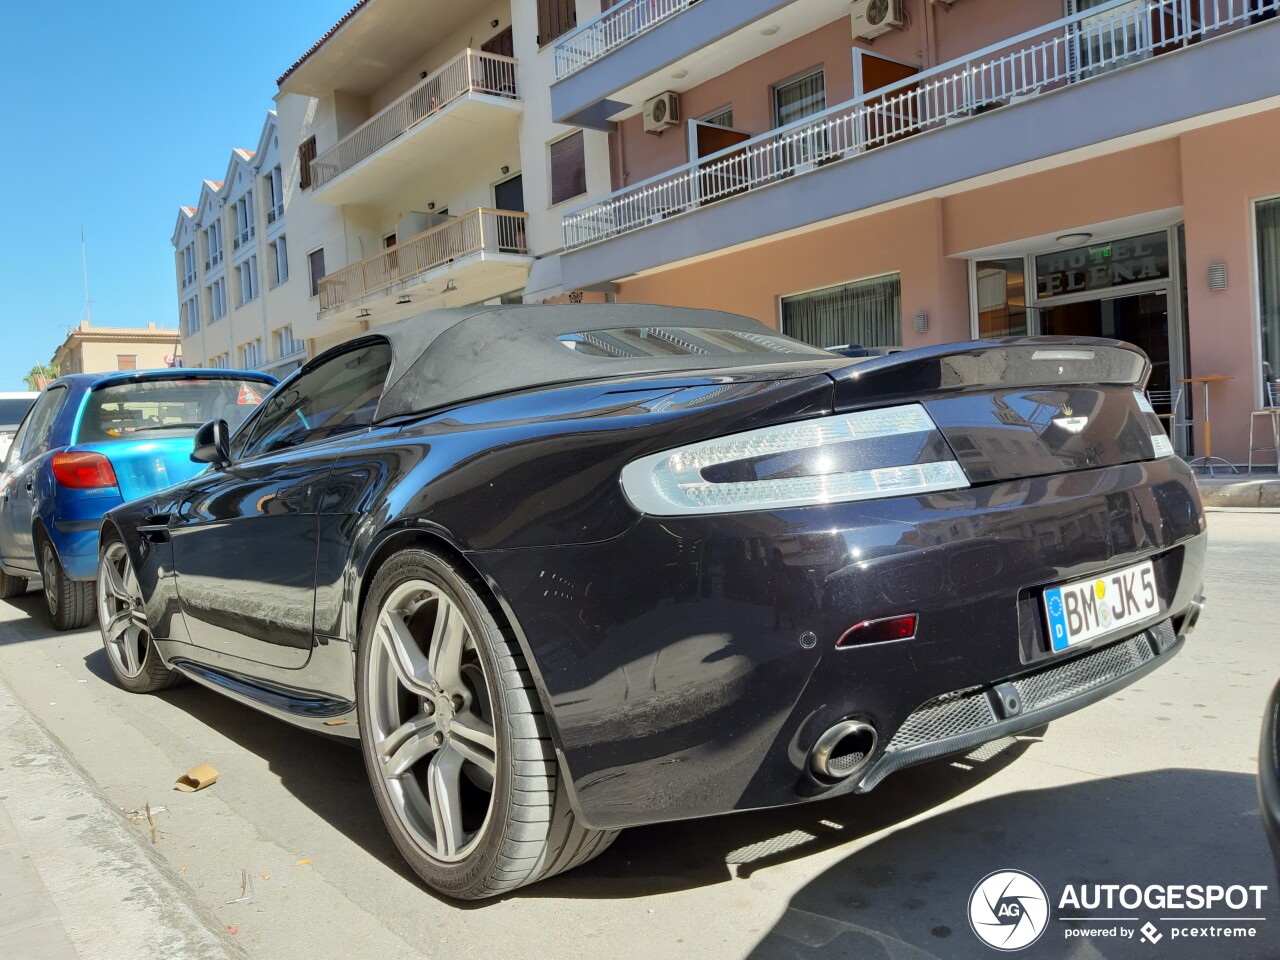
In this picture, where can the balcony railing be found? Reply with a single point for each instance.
(1066, 51)
(618, 25)
(469, 72)
(479, 231)
(275, 213)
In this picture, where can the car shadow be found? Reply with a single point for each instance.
(327, 775)
(34, 624)
(906, 895)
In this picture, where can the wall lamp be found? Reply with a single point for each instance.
(1217, 276)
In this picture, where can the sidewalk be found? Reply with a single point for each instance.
(77, 882)
(1228, 489)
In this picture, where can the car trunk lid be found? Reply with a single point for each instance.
(1020, 408)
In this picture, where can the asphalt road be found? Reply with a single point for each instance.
(1155, 786)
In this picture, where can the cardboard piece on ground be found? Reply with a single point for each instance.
(197, 778)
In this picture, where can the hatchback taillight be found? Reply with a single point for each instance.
(83, 471)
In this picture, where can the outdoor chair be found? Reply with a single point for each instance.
(1272, 412)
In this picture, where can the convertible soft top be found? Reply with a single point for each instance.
(445, 357)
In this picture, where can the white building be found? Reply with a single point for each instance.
(417, 166)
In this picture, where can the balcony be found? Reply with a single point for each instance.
(976, 116)
(606, 68)
(427, 135)
(478, 255)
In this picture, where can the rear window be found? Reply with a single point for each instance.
(634, 342)
(12, 411)
(152, 409)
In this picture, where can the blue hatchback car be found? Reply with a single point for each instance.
(93, 442)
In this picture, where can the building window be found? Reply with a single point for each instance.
(279, 261)
(274, 184)
(722, 118)
(315, 264)
(248, 279)
(126, 361)
(1269, 294)
(218, 299)
(213, 245)
(221, 361)
(286, 344)
(555, 18)
(867, 313)
(568, 168)
(190, 319)
(251, 355)
(797, 99)
(189, 264)
(1001, 287)
(306, 153)
(245, 227)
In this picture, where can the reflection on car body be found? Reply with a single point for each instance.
(567, 570)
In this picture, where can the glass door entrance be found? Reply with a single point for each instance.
(1141, 319)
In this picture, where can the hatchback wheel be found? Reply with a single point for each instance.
(11, 587)
(70, 602)
(454, 738)
(122, 620)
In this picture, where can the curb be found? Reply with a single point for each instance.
(100, 893)
(1248, 493)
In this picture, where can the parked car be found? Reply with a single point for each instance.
(13, 407)
(1269, 773)
(90, 443)
(564, 570)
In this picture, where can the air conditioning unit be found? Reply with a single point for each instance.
(661, 112)
(874, 17)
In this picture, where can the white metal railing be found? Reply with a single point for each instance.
(469, 72)
(477, 231)
(618, 25)
(1066, 51)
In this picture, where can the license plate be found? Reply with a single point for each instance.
(1082, 611)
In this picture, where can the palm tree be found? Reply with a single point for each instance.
(39, 376)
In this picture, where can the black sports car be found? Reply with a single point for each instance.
(563, 570)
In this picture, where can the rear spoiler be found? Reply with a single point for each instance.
(1004, 363)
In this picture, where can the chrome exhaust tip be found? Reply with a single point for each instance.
(1194, 610)
(844, 750)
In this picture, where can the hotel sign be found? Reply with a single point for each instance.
(1103, 266)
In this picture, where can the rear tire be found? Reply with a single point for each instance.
(122, 622)
(70, 602)
(11, 586)
(448, 712)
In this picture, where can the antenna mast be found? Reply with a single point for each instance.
(84, 266)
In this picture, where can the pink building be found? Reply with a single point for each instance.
(909, 172)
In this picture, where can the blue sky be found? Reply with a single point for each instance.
(112, 115)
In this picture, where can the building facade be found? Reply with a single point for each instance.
(961, 169)
(90, 349)
(889, 174)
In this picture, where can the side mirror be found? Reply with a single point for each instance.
(212, 444)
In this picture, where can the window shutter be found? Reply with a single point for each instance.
(306, 153)
(568, 168)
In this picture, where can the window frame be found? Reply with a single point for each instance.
(311, 272)
(551, 167)
(245, 444)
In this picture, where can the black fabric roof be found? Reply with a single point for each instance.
(446, 357)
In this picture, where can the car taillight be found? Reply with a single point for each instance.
(897, 451)
(83, 471)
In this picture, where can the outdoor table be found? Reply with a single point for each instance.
(1208, 458)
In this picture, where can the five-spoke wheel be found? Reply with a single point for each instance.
(454, 737)
(122, 620)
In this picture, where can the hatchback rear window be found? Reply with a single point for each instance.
(152, 409)
(632, 342)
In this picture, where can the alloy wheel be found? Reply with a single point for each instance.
(121, 613)
(429, 703)
(49, 574)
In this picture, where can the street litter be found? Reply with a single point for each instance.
(246, 888)
(303, 862)
(147, 813)
(197, 778)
